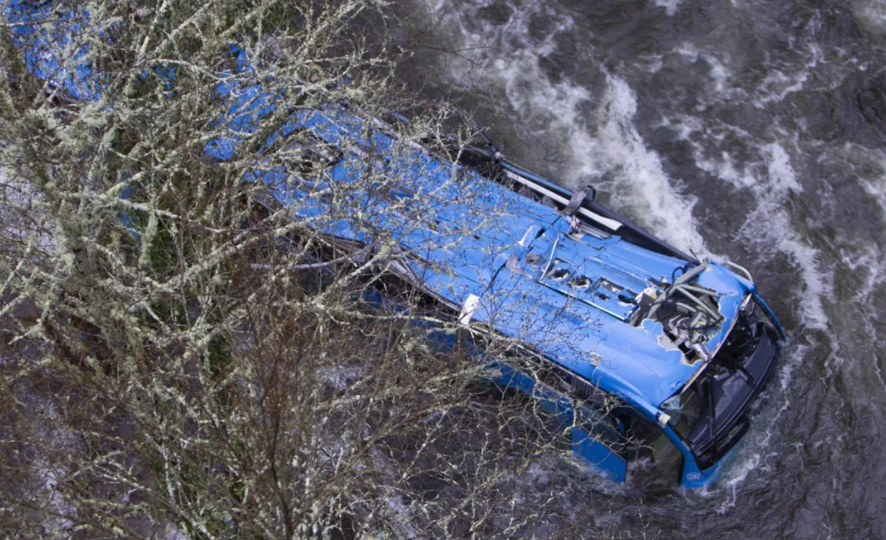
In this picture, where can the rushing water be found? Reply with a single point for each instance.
(750, 130)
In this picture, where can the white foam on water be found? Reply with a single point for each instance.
(865, 261)
(863, 257)
(736, 476)
(607, 140)
(780, 80)
(781, 173)
(876, 189)
(642, 184)
(772, 223)
(768, 225)
(669, 5)
(871, 15)
(777, 84)
(874, 186)
(719, 73)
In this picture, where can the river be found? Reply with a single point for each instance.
(747, 130)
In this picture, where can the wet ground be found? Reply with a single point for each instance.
(750, 130)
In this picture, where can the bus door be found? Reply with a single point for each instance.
(597, 439)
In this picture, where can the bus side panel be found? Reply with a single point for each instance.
(599, 455)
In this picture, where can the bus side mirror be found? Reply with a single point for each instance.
(591, 193)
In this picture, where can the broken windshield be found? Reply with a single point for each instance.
(710, 413)
(685, 409)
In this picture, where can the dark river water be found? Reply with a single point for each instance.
(748, 130)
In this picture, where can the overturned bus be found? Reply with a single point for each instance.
(641, 349)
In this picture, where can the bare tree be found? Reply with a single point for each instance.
(191, 346)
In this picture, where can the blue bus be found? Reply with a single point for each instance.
(644, 351)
